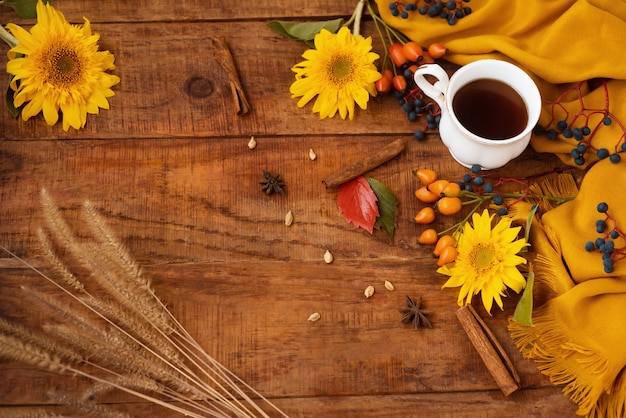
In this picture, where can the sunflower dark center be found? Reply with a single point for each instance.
(64, 66)
(340, 69)
(483, 257)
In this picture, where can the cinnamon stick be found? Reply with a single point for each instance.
(361, 167)
(224, 57)
(490, 350)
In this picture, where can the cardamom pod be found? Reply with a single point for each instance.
(315, 316)
(289, 218)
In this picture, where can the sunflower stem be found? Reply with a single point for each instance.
(7, 37)
(356, 17)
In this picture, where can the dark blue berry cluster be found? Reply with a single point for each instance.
(577, 126)
(415, 105)
(451, 10)
(583, 136)
(483, 186)
(605, 243)
(399, 8)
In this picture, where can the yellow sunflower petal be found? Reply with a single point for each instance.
(96, 101)
(50, 112)
(26, 41)
(71, 116)
(32, 108)
(513, 279)
(454, 281)
(86, 27)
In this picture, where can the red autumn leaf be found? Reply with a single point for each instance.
(357, 203)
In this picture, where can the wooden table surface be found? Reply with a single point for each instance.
(169, 168)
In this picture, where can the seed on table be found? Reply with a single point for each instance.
(328, 257)
(369, 291)
(315, 316)
(252, 143)
(312, 154)
(289, 218)
(389, 286)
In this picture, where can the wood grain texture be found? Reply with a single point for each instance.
(172, 87)
(170, 170)
(195, 10)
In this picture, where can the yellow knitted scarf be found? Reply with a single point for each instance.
(558, 42)
(578, 337)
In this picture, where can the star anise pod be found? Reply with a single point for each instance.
(415, 314)
(272, 183)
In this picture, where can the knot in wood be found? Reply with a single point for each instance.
(198, 87)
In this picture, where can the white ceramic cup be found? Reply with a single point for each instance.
(466, 147)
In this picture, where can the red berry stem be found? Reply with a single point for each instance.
(577, 125)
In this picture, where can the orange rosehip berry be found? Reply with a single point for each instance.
(397, 54)
(383, 85)
(425, 195)
(425, 216)
(443, 242)
(426, 176)
(438, 186)
(448, 255)
(437, 50)
(449, 205)
(428, 236)
(452, 190)
(412, 51)
(399, 82)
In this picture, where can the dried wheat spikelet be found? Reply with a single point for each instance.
(111, 328)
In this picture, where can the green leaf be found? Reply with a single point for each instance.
(387, 206)
(529, 221)
(524, 310)
(9, 99)
(304, 31)
(24, 8)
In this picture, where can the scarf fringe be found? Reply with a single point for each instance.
(612, 404)
(586, 383)
(562, 185)
(550, 270)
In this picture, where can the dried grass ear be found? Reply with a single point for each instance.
(122, 275)
(116, 323)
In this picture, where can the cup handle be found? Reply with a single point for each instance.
(434, 91)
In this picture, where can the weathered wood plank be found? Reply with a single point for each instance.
(180, 91)
(199, 199)
(120, 11)
(252, 317)
(531, 403)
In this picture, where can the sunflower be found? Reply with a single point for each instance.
(487, 261)
(57, 66)
(339, 71)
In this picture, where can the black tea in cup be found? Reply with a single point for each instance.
(490, 109)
